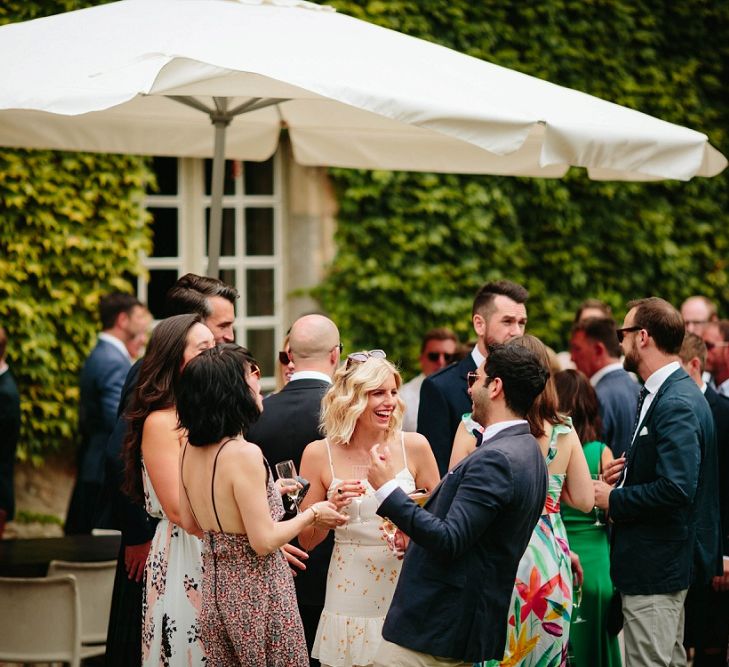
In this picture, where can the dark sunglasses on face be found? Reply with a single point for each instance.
(471, 378)
(284, 358)
(621, 332)
(435, 356)
(360, 357)
(254, 370)
(710, 346)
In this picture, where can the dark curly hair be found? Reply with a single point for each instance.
(155, 391)
(214, 400)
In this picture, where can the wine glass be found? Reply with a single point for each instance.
(286, 471)
(596, 509)
(359, 472)
(576, 599)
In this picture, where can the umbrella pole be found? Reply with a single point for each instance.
(216, 198)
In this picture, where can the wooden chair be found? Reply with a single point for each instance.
(95, 586)
(40, 620)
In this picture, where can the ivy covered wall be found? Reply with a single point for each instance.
(413, 248)
(71, 229)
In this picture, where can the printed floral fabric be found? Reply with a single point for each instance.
(249, 614)
(172, 595)
(360, 585)
(541, 604)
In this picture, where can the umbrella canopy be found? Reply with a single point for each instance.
(133, 77)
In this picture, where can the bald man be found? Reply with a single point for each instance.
(289, 422)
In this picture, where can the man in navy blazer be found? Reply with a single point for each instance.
(664, 507)
(123, 317)
(452, 598)
(498, 314)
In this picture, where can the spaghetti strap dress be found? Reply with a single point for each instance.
(590, 642)
(249, 614)
(171, 601)
(361, 581)
(541, 603)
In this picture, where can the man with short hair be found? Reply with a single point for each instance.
(437, 350)
(663, 500)
(697, 311)
(102, 379)
(498, 314)
(716, 338)
(452, 599)
(595, 351)
(707, 606)
(9, 433)
(289, 422)
(590, 308)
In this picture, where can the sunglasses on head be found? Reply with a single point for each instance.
(435, 356)
(359, 357)
(621, 332)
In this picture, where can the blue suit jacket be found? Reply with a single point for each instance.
(617, 394)
(452, 598)
(666, 516)
(9, 434)
(102, 379)
(443, 401)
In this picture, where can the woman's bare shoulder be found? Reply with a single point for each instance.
(415, 442)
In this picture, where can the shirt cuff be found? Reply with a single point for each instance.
(385, 490)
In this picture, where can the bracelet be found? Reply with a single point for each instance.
(315, 513)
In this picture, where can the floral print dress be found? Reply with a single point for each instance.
(171, 603)
(541, 604)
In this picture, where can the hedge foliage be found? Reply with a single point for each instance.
(413, 248)
(72, 228)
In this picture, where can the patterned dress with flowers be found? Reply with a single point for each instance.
(541, 604)
(171, 603)
(361, 581)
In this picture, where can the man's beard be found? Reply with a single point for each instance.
(481, 407)
(630, 362)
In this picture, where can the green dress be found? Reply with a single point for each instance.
(590, 643)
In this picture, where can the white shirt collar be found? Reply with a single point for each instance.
(4, 368)
(599, 375)
(113, 340)
(491, 430)
(477, 357)
(310, 375)
(657, 378)
(723, 388)
(703, 388)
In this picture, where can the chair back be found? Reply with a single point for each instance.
(40, 620)
(95, 585)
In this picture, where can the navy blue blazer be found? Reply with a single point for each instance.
(719, 406)
(452, 598)
(617, 394)
(102, 379)
(666, 515)
(443, 401)
(9, 434)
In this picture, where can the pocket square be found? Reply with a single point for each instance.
(643, 431)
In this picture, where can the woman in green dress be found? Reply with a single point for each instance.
(590, 643)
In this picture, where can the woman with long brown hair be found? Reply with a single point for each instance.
(172, 575)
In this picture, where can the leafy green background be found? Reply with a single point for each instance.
(412, 248)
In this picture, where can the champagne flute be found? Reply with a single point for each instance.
(359, 472)
(286, 471)
(576, 600)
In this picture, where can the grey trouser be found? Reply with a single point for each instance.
(653, 630)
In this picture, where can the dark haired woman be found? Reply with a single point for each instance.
(172, 574)
(591, 644)
(249, 614)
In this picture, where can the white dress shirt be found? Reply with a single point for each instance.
(310, 375)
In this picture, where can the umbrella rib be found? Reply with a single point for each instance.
(257, 103)
(191, 102)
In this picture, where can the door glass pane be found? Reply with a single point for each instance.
(228, 179)
(227, 233)
(164, 232)
(165, 169)
(160, 280)
(227, 276)
(261, 344)
(259, 231)
(258, 177)
(259, 292)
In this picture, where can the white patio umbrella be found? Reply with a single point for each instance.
(134, 76)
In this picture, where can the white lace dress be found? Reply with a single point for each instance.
(360, 584)
(172, 579)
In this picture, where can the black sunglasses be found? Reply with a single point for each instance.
(471, 378)
(284, 358)
(435, 356)
(621, 332)
(710, 346)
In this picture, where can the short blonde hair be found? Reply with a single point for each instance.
(346, 399)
